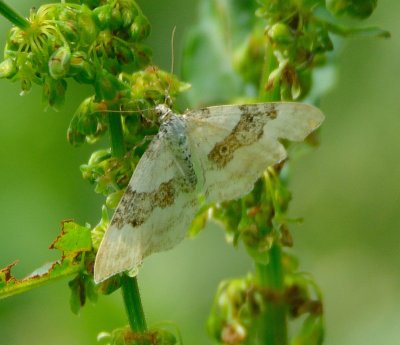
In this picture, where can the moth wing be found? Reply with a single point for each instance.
(153, 214)
(235, 144)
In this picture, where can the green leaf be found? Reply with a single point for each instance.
(311, 332)
(355, 8)
(82, 288)
(207, 58)
(74, 241)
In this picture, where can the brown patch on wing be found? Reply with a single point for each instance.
(136, 207)
(246, 132)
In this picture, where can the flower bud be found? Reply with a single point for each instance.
(59, 62)
(122, 52)
(140, 28)
(86, 123)
(53, 94)
(102, 16)
(280, 33)
(129, 11)
(82, 70)
(116, 21)
(8, 68)
(108, 86)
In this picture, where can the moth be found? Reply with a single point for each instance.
(218, 152)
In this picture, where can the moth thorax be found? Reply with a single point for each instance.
(163, 112)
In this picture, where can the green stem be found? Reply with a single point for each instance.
(116, 135)
(13, 16)
(130, 289)
(133, 303)
(270, 63)
(272, 329)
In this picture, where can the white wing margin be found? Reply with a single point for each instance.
(153, 214)
(235, 144)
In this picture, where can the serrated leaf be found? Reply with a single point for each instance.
(74, 240)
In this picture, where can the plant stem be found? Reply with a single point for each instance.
(116, 135)
(272, 329)
(133, 303)
(130, 289)
(13, 16)
(270, 63)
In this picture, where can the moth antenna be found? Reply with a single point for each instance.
(168, 100)
(173, 49)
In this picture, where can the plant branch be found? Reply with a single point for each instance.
(270, 63)
(133, 303)
(129, 285)
(273, 322)
(273, 327)
(13, 16)
(116, 135)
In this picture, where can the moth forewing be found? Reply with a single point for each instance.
(218, 151)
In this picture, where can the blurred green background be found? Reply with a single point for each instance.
(348, 191)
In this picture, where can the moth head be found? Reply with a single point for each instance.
(163, 112)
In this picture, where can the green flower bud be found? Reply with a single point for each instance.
(86, 122)
(69, 29)
(102, 16)
(112, 65)
(74, 137)
(125, 336)
(142, 55)
(355, 8)
(116, 21)
(129, 11)
(53, 94)
(123, 52)
(91, 3)
(280, 33)
(99, 230)
(8, 69)
(113, 199)
(108, 86)
(59, 62)
(163, 337)
(232, 311)
(26, 86)
(99, 156)
(86, 26)
(311, 332)
(82, 70)
(140, 28)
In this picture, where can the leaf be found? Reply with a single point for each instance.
(358, 32)
(207, 57)
(325, 18)
(74, 238)
(73, 241)
(82, 288)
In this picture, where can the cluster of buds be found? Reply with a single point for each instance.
(240, 304)
(125, 336)
(88, 42)
(299, 41)
(136, 101)
(297, 38)
(258, 219)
